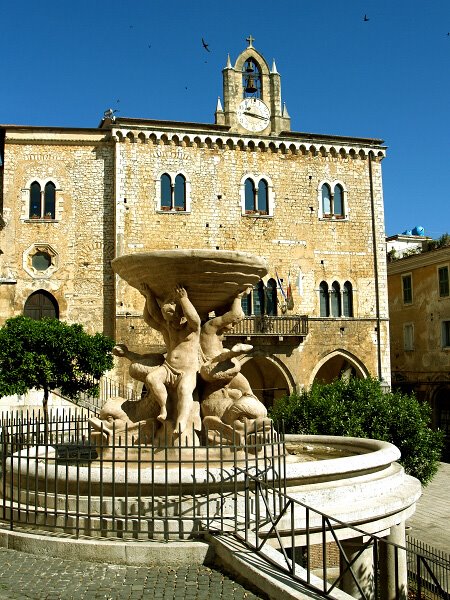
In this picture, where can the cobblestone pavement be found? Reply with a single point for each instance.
(430, 522)
(25, 576)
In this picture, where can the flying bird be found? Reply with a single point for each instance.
(205, 45)
(366, 18)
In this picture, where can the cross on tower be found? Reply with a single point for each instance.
(250, 41)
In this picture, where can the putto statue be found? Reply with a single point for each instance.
(193, 298)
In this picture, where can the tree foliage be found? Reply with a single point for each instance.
(50, 354)
(360, 408)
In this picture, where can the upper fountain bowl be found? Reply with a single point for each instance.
(212, 278)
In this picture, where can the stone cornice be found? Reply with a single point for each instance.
(202, 134)
(215, 136)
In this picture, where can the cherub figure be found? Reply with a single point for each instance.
(227, 394)
(179, 323)
(221, 365)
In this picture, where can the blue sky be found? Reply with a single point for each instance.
(63, 64)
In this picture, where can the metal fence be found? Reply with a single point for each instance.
(428, 569)
(63, 475)
(303, 532)
(271, 325)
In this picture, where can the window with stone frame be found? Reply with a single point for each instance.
(42, 203)
(444, 287)
(173, 192)
(257, 196)
(407, 291)
(408, 337)
(336, 300)
(332, 201)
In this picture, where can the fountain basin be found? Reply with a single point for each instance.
(367, 488)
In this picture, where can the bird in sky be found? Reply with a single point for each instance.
(205, 45)
(366, 18)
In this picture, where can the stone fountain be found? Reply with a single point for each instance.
(193, 298)
(179, 457)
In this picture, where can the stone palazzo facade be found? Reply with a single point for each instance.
(311, 204)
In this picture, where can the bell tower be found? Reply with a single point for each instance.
(252, 95)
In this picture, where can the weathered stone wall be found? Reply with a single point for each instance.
(107, 203)
(82, 234)
(295, 240)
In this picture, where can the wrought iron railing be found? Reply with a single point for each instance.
(270, 325)
(427, 580)
(59, 475)
(296, 525)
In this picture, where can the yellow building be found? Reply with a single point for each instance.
(311, 204)
(419, 307)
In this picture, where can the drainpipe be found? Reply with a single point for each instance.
(375, 270)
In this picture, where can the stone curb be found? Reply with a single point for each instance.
(145, 554)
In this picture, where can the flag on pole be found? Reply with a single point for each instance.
(280, 285)
(289, 298)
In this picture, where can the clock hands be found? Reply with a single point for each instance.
(250, 114)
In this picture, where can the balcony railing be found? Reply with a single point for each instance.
(293, 326)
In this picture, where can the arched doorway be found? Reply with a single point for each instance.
(41, 304)
(268, 380)
(338, 365)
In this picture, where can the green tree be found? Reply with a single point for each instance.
(360, 408)
(50, 354)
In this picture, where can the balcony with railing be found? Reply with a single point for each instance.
(268, 325)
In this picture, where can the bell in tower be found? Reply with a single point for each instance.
(252, 95)
(251, 79)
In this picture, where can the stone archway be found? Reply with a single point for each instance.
(41, 304)
(338, 364)
(269, 380)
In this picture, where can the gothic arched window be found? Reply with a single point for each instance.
(35, 200)
(246, 304)
(250, 196)
(324, 299)
(40, 305)
(263, 197)
(258, 299)
(173, 192)
(166, 192)
(347, 299)
(338, 201)
(49, 200)
(335, 299)
(326, 200)
(271, 297)
(180, 192)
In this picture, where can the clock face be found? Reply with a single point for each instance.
(253, 114)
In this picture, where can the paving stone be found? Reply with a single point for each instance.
(24, 577)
